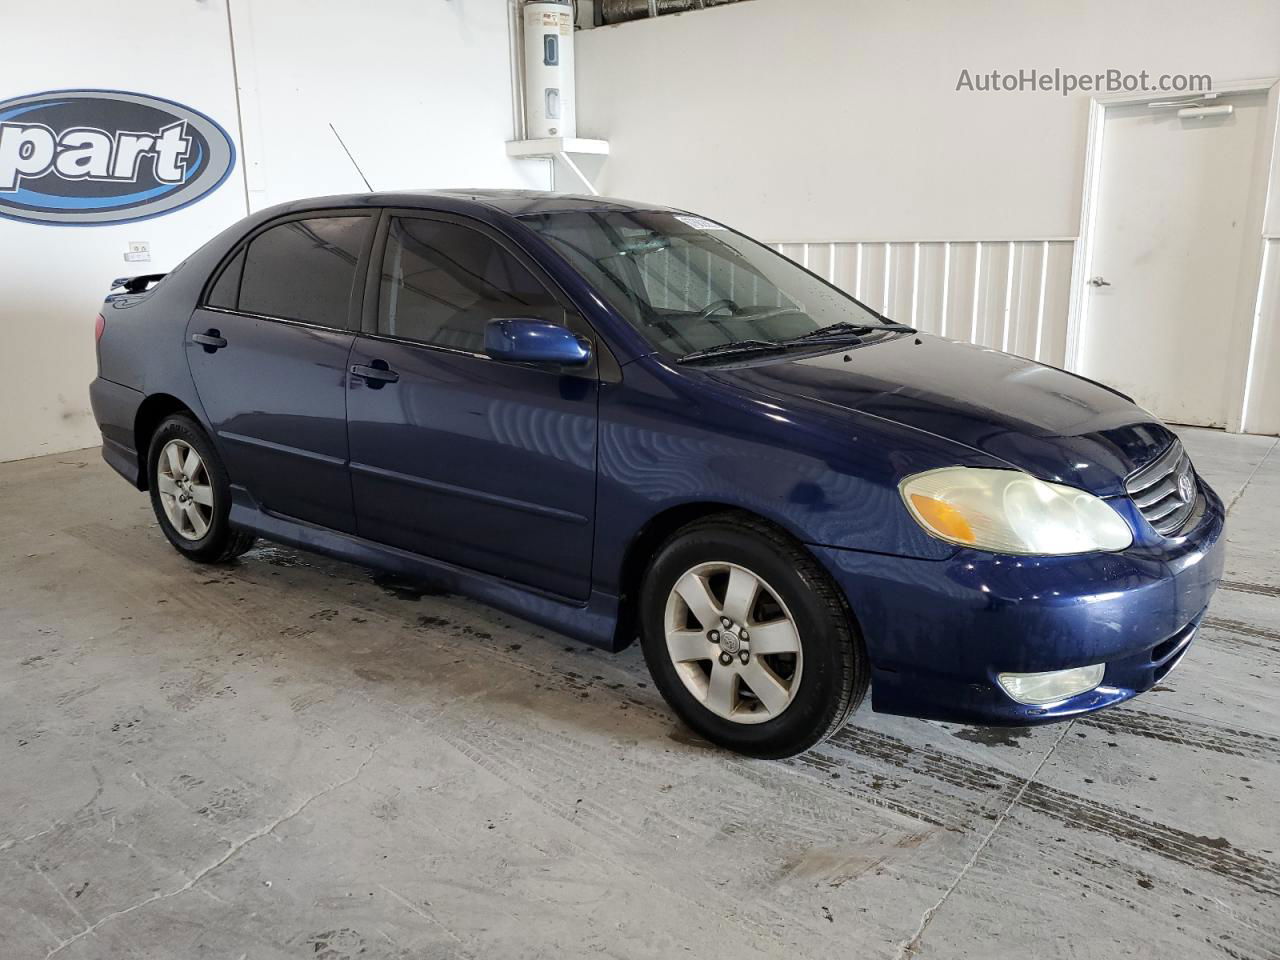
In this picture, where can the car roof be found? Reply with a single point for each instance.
(511, 202)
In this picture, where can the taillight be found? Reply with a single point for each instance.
(99, 327)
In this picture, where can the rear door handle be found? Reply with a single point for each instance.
(375, 374)
(211, 340)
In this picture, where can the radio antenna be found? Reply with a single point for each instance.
(350, 157)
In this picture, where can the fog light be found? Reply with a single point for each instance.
(1052, 685)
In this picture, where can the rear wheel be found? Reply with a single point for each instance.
(749, 640)
(191, 494)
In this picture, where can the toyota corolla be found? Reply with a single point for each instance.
(622, 421)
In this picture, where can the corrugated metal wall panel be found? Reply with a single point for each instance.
(900, 268)
(819, 258)
(1010, 295)
(992, 299)
(1055, 304)
(1025, 273)
(872, 260)
(931, 287)
(962, 283)
(844, 265)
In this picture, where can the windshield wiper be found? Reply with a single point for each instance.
(841, 332)
(844, 329)
(732, 347)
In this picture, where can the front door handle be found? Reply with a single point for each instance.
(376, 374)
(211, 340)
(1099, 282)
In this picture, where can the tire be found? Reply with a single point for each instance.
(795, 605)
(210, 539)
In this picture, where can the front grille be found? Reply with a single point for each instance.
(1166, 490)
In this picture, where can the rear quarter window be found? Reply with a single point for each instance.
(225, 292)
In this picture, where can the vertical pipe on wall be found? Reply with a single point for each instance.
(235, 81)
(515, 31)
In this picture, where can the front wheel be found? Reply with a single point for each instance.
(191, 494)
(749, 640)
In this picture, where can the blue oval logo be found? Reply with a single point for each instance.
(94, 157)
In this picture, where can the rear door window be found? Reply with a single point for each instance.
(442, 282)
(303, 270)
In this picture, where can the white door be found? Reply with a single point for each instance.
(1168, 240)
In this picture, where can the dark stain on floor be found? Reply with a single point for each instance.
(401, 589)
(993, 736)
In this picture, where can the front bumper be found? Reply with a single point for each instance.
(939, 631)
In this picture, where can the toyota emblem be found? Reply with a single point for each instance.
(1186, 487)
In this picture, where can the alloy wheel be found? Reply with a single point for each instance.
(733, 642)
(186, 493)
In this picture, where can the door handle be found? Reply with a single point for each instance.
(211, 340)
(1099, 282)
(376, 374)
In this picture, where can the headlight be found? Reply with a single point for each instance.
(1006, 511)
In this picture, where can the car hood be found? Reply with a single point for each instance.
(1050, 423)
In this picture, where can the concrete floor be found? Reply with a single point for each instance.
(291, 758)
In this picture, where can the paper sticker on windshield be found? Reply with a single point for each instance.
(698, 223)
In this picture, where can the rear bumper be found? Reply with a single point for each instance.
(939, 632)
(115, 408)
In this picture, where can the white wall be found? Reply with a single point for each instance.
(834, 128)
(419, 90)
(53, 279)
(837, 120)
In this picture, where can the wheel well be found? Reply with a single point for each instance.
(643, 546)
(150, 414)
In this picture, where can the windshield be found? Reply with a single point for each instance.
(690, 285)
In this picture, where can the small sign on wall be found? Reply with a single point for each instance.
(139, 252)
(93, 157)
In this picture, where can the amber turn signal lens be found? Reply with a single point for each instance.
(943, 517)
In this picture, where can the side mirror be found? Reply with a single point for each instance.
(529, 340)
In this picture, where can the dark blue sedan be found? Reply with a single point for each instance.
(623, 421)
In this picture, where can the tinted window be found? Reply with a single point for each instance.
(304, 270)
(688, 284)
(226, 289)
(441, 283)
